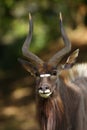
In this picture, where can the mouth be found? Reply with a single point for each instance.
(45, 94)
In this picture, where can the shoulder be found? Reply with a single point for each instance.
(76, 72)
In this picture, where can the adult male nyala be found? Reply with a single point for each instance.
(61, 89)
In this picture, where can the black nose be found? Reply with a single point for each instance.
(44, 87)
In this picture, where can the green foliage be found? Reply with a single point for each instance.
(14, 24)
(14, 20)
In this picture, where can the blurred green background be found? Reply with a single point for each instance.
(17, 87)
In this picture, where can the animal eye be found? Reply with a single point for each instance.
(54, 73)
(37, 78)
(37, 74)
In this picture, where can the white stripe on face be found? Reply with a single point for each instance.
(45, 75)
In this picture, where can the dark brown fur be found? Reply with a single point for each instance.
(62, 96)
(65, 108)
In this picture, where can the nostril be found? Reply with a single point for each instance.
(46, 87)
(40, 88)
(43, 88)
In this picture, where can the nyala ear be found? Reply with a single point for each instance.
(71, 60)
(28, 66)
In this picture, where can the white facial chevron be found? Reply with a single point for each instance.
(45, 75)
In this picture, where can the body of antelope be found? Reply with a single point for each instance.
(61, 89)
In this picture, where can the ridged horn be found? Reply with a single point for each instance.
(25, 49)
(58, 56)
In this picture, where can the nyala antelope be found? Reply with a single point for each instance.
(61, 89)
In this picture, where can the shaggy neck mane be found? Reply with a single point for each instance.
(51, 113)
